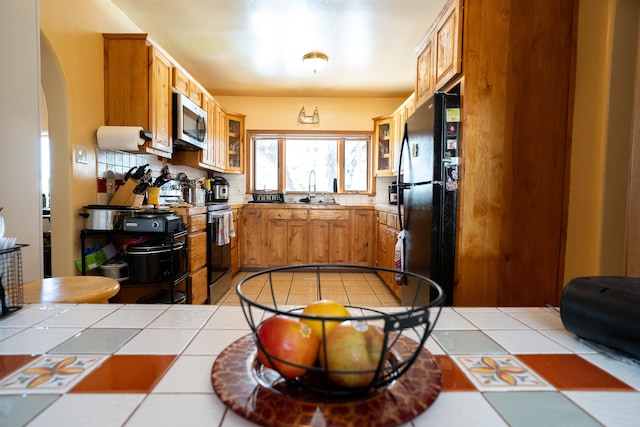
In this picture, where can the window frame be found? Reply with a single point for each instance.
(281, 136)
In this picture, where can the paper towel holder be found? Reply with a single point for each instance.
(146, 135)
(124, 138)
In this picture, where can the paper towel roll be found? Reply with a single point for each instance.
(125, 138)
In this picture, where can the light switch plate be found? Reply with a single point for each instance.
(81, 155)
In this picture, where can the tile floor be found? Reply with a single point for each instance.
(359, 289)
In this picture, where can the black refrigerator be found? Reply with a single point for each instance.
(428, 177)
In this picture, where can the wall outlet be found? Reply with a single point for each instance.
(81, 155)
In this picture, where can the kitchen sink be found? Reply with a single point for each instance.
(311, 203)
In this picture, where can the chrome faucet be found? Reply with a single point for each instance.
(314, 185)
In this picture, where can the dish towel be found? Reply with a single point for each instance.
(225, 229)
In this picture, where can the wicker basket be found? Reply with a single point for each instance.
(415, 322)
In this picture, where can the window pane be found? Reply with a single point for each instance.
(305, 155)
(355, 165)
(266, 164)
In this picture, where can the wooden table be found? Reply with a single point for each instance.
(72, 289)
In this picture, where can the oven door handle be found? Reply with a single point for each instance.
(215, 215)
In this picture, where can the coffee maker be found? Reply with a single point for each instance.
(219, 190)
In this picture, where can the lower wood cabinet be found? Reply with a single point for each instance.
(197, 280)
(286, 237)
(387, 234)
(291, 236)
(252, 237)
(329, 238)
(362, 240)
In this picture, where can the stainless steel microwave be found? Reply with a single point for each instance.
(189, 124)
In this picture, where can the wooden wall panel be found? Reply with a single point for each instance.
(518, 77)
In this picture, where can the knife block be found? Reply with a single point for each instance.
(124, 195)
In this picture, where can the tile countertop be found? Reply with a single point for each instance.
(150, 365)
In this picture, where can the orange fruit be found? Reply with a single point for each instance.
(324, 309)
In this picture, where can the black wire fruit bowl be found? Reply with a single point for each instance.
(364, 351)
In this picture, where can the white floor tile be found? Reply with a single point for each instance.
(79, 315)
(568, 340)
(539, 319)
(130, 318)
(36, 340)
(30, 315)
(213, 342)
(83, 410)
(450, 320)
(188, 374)
(171, 410)
(182, 319)
(492, 320)
(462, 409)
(159, 341)
(525, 342)
(227, 317)
(620, 409)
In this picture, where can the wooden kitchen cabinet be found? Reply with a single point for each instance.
(329, 237)
(235, 143)
(383, 140)
(219, 139)
(137, 88)
(197, 282)
(399, 117)
(440, 52)
(276, 236)
(287, 236)
(252, 239)
(387, 230)
(362, 237)
(183, 83)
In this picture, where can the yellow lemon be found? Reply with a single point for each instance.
(324, 309)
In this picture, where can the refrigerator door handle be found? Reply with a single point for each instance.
(401, 185)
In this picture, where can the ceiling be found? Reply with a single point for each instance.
(255, 47)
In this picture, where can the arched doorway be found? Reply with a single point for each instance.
(57, 100)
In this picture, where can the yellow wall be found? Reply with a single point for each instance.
(266, 113)
(607, 39)
(73, 48)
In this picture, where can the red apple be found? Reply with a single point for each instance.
(352, 346)
(290, 341)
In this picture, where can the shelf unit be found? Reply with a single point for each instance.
(173, 237)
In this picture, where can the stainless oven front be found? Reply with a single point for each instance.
(219, 230)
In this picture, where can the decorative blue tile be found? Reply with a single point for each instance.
(539, 408)
(18, 410)
(467, 342)
(96, 341)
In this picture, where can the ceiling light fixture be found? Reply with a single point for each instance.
(315, 61)
(313, 119)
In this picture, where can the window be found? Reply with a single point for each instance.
(295, 162)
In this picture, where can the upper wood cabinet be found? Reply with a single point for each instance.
(440, 52)
(383, 148)
(137, 88)
(183, 83)
(235, 143)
